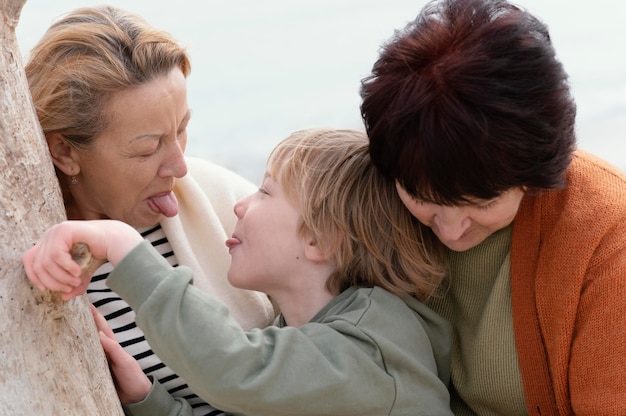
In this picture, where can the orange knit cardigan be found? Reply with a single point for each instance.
(568, 277)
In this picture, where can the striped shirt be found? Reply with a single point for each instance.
(121, 318)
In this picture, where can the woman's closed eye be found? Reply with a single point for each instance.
(487, 205)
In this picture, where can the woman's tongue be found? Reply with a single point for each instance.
(165, 204)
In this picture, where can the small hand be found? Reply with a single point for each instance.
(131, 383)
(49, 263)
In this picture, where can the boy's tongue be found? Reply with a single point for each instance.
(166, 204)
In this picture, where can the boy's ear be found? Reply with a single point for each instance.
(63, 155)
(313, 252)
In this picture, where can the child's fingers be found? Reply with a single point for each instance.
(101, 323)
(49, 264)
(27, 261)
(110, 346)
(121, 362)
(35, 281)
(57, 259)
(56, 278)
(107, 337)
(51, 270)
(77, 291)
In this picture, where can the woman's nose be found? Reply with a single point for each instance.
(451, 222)
(174, 164)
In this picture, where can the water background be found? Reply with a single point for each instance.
(262, 69)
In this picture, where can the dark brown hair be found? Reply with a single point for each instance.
(469, 99)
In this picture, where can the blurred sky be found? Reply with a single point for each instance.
(262, 69)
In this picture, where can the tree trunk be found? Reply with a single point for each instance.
(51, 361)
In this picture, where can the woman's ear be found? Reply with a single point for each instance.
(63, 155)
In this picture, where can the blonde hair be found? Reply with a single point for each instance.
(87, 56)
(355, 214)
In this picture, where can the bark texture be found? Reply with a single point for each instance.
(51, 361)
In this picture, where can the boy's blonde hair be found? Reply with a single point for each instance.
(355, 214)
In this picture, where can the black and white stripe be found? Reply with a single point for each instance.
(121, 318)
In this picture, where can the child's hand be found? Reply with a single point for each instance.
(49, 264)
(131, 383)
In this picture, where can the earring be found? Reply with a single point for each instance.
(73, 181)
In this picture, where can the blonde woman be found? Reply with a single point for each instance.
(111, 96)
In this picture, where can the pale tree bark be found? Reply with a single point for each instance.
(51, 361)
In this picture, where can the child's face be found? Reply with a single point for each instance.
(266, 251)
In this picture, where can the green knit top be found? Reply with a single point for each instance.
(478, 304)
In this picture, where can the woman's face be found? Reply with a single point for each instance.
(462, 227)
(128, 174)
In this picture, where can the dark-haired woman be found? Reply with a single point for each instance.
(469, 110)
